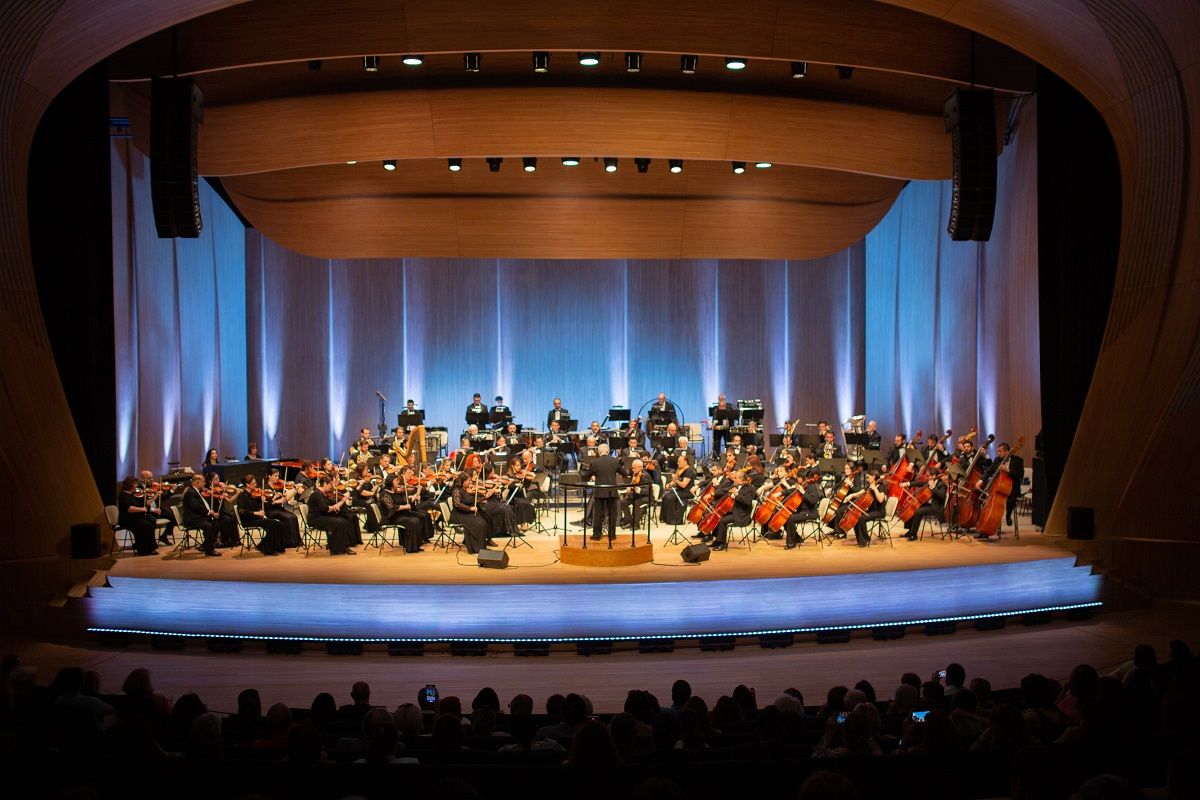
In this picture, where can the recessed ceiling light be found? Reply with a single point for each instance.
(455, 164)
(739, 167)
(642, 164)
(610, 165)
(390, 165)
(570, 161)
(735, 63)
(799, 69)
(845, 73)
(472, 61)
(633, 62)
(589, 59)
(675, 165)
(371, 63)
(541, 61)
(529, 163)
(351, 163)
(688, 64)
(413, 60)
(494, 164)
(762, 164)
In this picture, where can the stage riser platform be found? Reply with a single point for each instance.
(566, 612)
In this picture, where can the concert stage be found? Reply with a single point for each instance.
(436, 596)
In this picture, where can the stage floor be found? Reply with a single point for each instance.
(436, 596)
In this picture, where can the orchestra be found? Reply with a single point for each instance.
(497, 487)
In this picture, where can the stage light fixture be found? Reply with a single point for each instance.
(352, 163)
(762, 165)
(390, 165)
(735, 63)
(688, 64)
(455, 164)
(541, 61)
(799, 69)
(845, 73)
(314, 65)
(675, 165)
(588, 59)
(642, 164)
(371, 63)
(494, 164)
(412, 60)
(570, 161)
(472, 62)
(529, 163)
(610, 165)
(739, 167)
(633, 62)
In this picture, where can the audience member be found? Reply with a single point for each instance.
(278, 727)
(681, 691)
(360, 693)
(826, 785)
(573, 712)
(592, 747)
(956, 678)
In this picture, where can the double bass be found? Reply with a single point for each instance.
(966, 495)
(913, 499)
(901, 471)
(996, 494)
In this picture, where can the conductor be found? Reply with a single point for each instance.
(603, 468)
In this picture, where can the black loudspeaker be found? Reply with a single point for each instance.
(695, 553)
(971, 122)
(493, 559)
(1040, 502)
(176, 111)
(1081, 522)
(85, 540)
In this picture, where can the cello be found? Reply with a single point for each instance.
(790, 504)
(858, 506)
(773, 502)
(911, 500)
(996, 494)
(719, 509)
(839, 496)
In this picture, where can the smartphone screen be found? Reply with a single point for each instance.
(919, 716)
(841, 718)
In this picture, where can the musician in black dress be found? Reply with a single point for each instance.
(198, 514)
(517, 493)
(396, 508)
(280, 502)
(933, 508)
(636, 496)
(743, 501)
(757, 472)
(252, 511)
(724, 416)
(135, 516)
(502, 519)
(211, 462)
(465, 512)
(326, 511)
(677, 492)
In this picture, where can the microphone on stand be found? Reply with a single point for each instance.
(379, 394)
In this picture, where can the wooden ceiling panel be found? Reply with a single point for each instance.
(281, 134)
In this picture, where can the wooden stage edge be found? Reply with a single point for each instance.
(543, 562)
(621, 555)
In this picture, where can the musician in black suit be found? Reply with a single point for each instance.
(739, 515)
(787, 450)
(752, 437)
(135, 516)
(557, 413)
(637, 496)
(863, 482)
(723, 416)
(663, 411)
(829, 448)
(1014, 465)
(632, 452)
(806, 511)
(199, 514)
(154, 501)
(502, 413)
(899, 447)
(933, 508)
(327, 513)
(604, 469)
(738, 450)
(874, 440)
(476, 408)
(934, 449)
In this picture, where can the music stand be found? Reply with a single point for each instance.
(619, 414)
(807, 440)
(749, 413)
(859, 440)
(568, 425)
(478, 418)
(407, 420)
(775, 439)
(500, 417)
(873, 458)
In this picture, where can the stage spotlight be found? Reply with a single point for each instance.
(739, 167)
(344, 648)
(371, 63)
(529, 163)
(413, 60)
(656, 645)
(494, 164)
(688, 64)
(633, 62)
(472, 62)
(455, 164)
(570, 161)
(735, 63)
(762, 165)
(541, 61)
(284, 647)
(774, 641)
(223, 645)
(589, 59)
(531, 649)
(314, 65)
(799, 69)
(642, 164)
(833, 637)
(352, 163)
(406, 648)
(676, 165)
(610, 165)
(167, 642)
(390, 165)
(468, 649)
(603, 648)
(845, 73)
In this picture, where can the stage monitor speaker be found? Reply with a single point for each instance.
(176, 111)
(695, 553)
(493, 559)
(1081, 522)
(85, 540)
(970, 116)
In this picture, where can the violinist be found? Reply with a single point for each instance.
(153, 496)
(739, 515)
(252, 509)
(932, 508)
(396, 508)
(281, 503)
(522, 474)
(465, 511)
(861, 482)
(677, 492)
(636, 495)
(531, 475)
(328, 510)
(199, 514)
(501, 518)
(226, 495)
(363, 489)
(134, 515)
(807, 510)
(383, 470)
